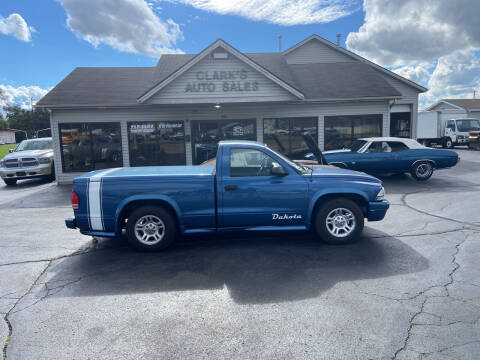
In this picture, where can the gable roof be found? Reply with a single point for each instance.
(461, 104)
(356, 57)
(197, 58)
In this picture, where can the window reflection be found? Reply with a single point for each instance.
(287, 135)
(156, 143)
(340, 131)
(206, 135)
(90, 146)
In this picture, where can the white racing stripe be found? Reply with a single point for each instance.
(94, 188)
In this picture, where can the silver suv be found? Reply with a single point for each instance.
(30, 159)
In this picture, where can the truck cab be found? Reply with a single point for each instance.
(247, 187)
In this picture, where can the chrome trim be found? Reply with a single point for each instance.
(430, 160)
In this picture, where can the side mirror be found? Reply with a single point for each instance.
(279, 171)
(10, 150)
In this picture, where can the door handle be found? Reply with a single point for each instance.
(231, 187)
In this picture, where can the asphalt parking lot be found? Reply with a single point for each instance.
(409, 289)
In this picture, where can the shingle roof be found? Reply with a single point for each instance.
(118, 86)
(467, 104)
(123, 86)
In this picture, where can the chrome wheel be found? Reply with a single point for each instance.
(340, 222)
(424, 170)
(149, 230)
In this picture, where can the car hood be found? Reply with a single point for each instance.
(29, 153)
(344, 174)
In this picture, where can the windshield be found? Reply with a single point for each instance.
(356, 145)
(468, 125)
(34, 145)
(298, 168)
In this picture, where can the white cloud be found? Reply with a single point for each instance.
(397, 33)
(15, 25)
(419, 73)
(282, 12)
(126, 25)
(20, 95)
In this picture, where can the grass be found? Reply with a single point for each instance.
(4, 149)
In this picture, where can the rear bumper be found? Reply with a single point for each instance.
(377, 210)
(71, 223)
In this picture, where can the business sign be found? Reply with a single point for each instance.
(224, 81)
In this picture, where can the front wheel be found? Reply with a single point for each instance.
(448, 143)
(339, 221)
(422, 171)
(150, 228)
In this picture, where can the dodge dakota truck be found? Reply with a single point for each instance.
(249, 187)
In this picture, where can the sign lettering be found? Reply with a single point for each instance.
(225, 81)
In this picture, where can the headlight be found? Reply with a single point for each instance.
(44, 160)
(380, 195)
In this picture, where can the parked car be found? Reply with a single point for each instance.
(387, 155)
(250, 187)
(30, 159)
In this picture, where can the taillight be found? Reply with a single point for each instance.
(75, 203)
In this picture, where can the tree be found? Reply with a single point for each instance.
(29, 120)
(3, 123)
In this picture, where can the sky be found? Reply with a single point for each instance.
(434, 43)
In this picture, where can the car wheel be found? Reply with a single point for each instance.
(150, 228)
(448, 143)
(339, 221)
(422, 170)
(10, 182)
(51, 177)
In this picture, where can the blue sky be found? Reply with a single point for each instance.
(42, 41)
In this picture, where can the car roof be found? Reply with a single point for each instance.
(39, 139)
(411, 143)
(240, 142)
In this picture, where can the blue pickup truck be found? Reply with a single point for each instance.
(248, 187)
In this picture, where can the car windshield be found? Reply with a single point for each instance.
(298, 168)
(34, 145)
(356, 145)
(468, 125)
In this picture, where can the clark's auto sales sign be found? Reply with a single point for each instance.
(222, 81)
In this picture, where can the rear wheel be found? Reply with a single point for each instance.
(339, 221)
(150, 228)
(10, 182)
(422, 170)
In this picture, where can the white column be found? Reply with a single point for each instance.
(188, 144)
(321, 132)
(125, 148)
(259, 129)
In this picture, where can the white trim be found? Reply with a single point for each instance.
(203, 54)
(356, 57)
(94, 206)
(444, 102)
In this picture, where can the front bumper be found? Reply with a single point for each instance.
(377, 210)
(26, 172)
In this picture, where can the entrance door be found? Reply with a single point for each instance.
(207, 133)
(400, 124)
(253, 196)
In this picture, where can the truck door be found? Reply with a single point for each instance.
(253, 196)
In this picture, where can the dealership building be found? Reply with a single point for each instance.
(176, 112)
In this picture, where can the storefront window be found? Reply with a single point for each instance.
(340, 131)
(156, 143)
(90, 146)
(206, 134)
(287, 135)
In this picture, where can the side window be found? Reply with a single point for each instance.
(250, 162)
(397, 146)
(375, 147)
(451, 125)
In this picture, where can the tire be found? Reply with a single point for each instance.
(422, 170)
(448, 143)
(50, 177)
(156, 218)
(345, 210)
(10, 182)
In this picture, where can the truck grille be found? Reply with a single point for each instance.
(22, 162)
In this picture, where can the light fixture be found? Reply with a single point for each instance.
(217, 106)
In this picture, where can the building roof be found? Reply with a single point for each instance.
(128, 86)
(467, 104)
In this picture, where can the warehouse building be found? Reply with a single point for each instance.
(457, 108)
(176, 112)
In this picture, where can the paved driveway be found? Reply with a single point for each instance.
(409, 289)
